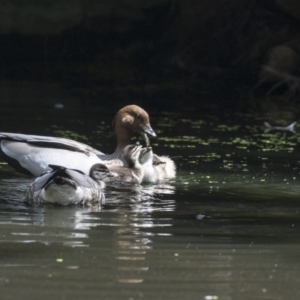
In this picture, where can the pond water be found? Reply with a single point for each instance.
(226, 228)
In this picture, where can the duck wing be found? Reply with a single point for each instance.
(81, 179)
(49, 142)
(76, 175)
(31, 155)
(41, 181)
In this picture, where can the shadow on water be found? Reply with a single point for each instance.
(225, 228)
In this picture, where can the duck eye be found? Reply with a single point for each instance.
(138, 116)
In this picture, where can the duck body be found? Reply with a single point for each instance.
(31, 154)
(66, 186)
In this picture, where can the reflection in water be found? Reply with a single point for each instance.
(132, 250)
(126, 214)
(131, 239)
(14, 190)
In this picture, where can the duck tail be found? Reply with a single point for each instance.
(268, 126)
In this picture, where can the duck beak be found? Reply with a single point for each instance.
(149, 130)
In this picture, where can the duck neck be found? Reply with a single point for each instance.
(123, 139)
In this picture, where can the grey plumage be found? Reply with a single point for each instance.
(68, 186)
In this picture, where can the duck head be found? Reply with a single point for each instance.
(128, 120)
(132, 154)
(100, 172)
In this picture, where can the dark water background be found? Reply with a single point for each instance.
(226, 228)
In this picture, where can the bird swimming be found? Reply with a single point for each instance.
(133, 171)
(68, 186)
(32, 154)
(156, 168)
(290, 128)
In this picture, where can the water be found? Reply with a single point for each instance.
(226, 228)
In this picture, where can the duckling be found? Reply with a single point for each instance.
(133, 172)
(156, 168)
(68, 186)
(32, 154)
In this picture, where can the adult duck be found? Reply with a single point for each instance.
(68, 186)
(32, 154)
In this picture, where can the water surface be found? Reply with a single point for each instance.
(226, 228)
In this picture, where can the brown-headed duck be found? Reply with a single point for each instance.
(32, 154)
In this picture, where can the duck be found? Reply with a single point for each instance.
(156, 168)
(133, 171)
(32, 154)
(69, 186)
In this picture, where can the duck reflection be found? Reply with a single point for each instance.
(124, 223)
(132, 211)
(131, 254)
(120, 229)
(146, 198)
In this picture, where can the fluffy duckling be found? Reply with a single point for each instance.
(133, 172)
(68, 186)
(156, 168)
